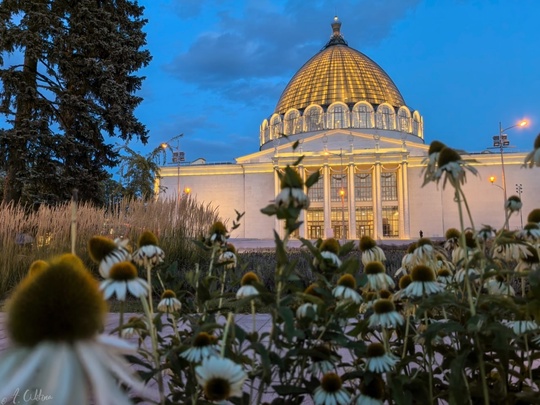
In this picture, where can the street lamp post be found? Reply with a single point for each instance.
(519, 190)
(177, 157)
(501, 141)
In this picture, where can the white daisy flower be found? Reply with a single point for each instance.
(423, 283)
(307, 310)
(452, 167)
(220, 378)
(511, 249)
(54, 321)
(123, 278)
(107, 252)
(148, 255)
(385, 315)
(430, 161)
(371, 393)
(530, 233)
(204, 345)
(445, 276)
(497, 286)
(346, 289)
(473, 274)
(452, 236)
(378, 361)
(522, 327)
(228, 258)
(424, 252)
(218, 234)
(247, 289)
(370, 251)
(169, 302)
(377, 279)
(323, 360)
(292, 197)
(331, 391)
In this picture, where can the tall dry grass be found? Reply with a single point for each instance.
(45, 233)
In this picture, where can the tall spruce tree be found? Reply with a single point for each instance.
(75, 87)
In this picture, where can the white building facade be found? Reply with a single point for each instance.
(353, 126)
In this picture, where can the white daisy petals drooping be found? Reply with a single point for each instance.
(107, 252)
(370, 251)
(331, 391)
(148, 253)
(169, 302)
(423, 283)
(204, 345)
(220, 378)
(54, 321)
(247, 288)
(123, 278)
(346, 289)
(385, 315)
(378, 361)
(377, 279)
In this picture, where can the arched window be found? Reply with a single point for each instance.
(292, 123)
(362, 115)
(275, 127)
(385, 117)
(265, 132)
(404, 120)
(337, 116)
(313, 118)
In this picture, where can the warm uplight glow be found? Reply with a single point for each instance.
(342, 192)
(164, 145)
(492, 179)
(187, 190)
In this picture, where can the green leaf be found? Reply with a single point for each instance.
(312, 179)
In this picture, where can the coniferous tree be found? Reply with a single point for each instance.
(74, 87)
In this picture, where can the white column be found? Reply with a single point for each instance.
(405, 197)
(351, 201)
(303, 213)
(278, 225)
(399, 180)
(377, 201)
(328, 232)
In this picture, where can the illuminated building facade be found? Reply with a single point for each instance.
(353, 125)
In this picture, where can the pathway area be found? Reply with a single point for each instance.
(262, 324)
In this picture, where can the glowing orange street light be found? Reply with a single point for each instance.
(492, 179)
(187, 190)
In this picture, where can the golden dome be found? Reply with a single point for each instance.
(338, 73)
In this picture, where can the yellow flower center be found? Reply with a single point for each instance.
(123, 271)
(331, 382)
(61, 303)
(217, 389)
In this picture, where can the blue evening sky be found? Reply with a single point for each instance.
(219, 66)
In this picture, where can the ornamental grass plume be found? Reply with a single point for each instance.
(370, 252)
(54, 320)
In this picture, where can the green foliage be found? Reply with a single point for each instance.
(75, 86)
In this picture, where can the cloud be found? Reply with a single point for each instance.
(256, 44)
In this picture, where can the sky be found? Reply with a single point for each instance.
(220, 66)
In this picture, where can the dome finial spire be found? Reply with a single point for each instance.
(336, 38)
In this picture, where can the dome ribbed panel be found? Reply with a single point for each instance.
(339, 73)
